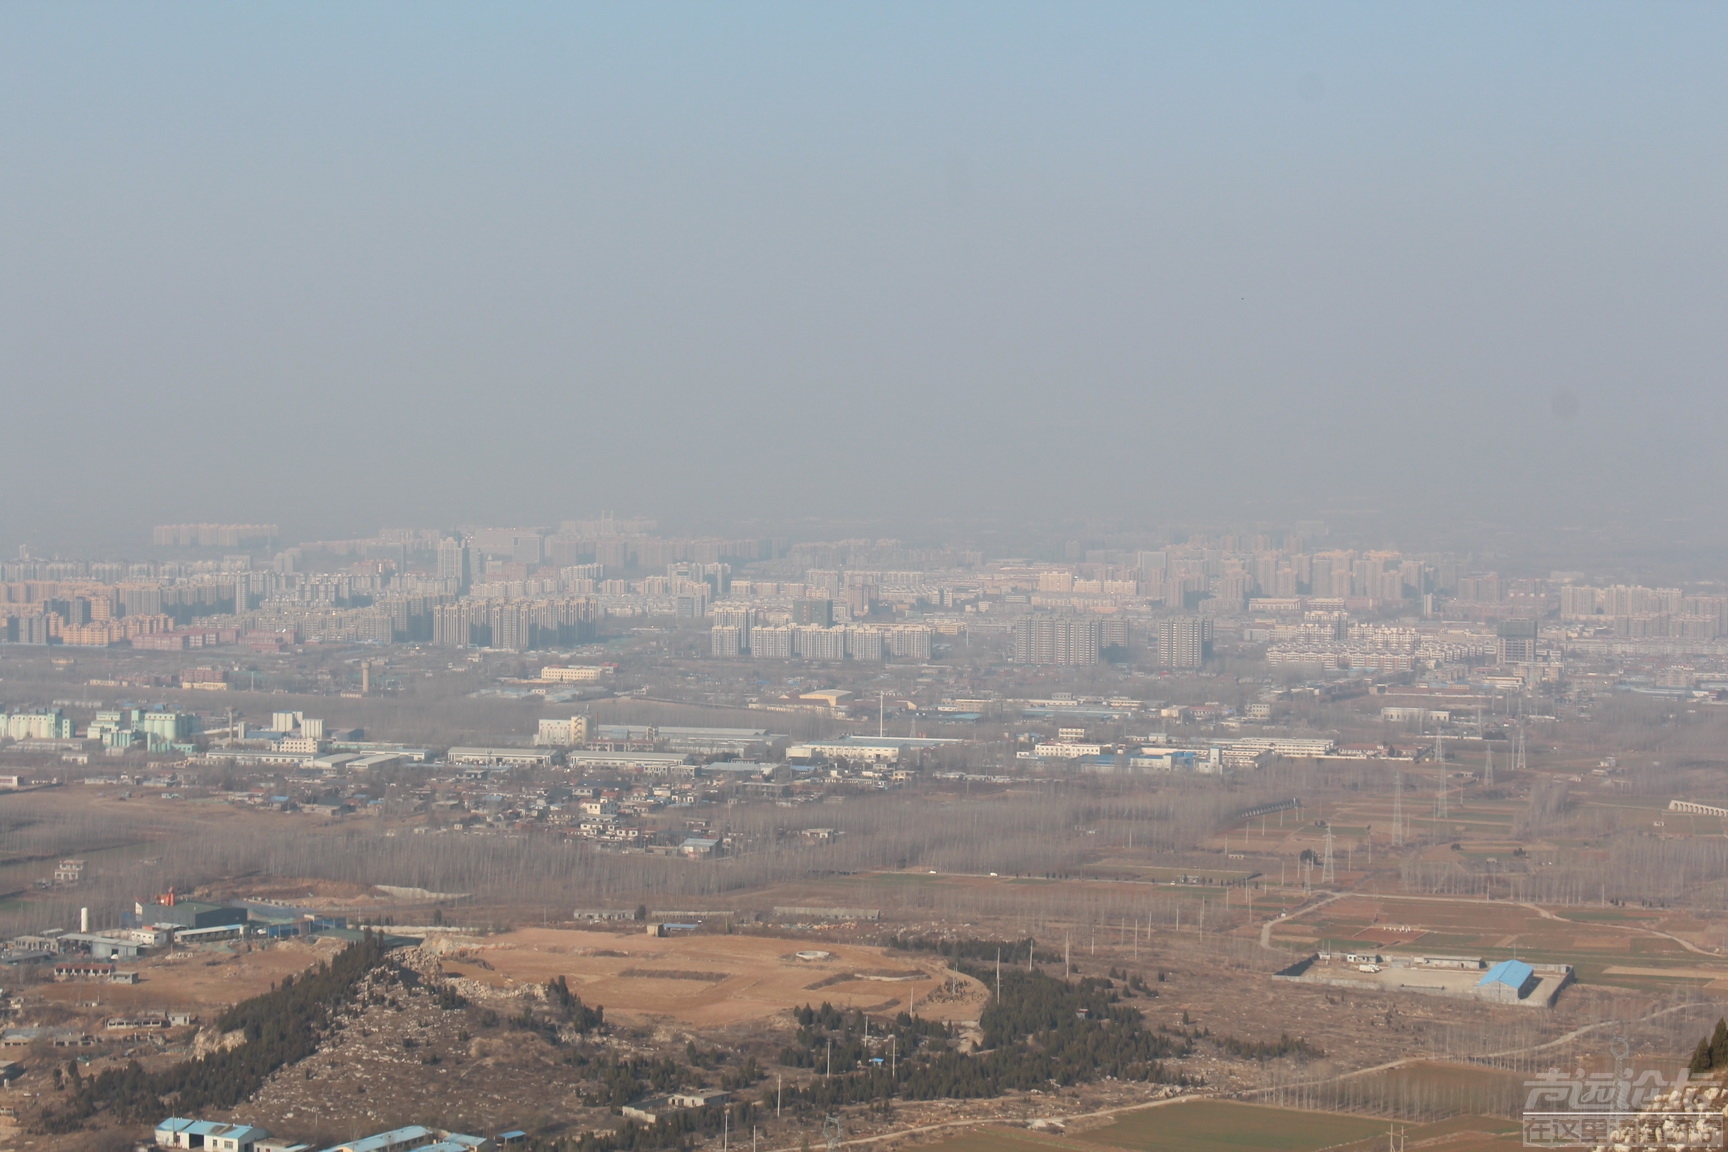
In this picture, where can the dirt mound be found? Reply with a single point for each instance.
(287, 889)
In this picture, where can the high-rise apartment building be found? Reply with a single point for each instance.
(1061, 640)
(910, 642)
(772, 643)
(454, 563)
(527, 548)
(813, 611)
(726, 641)
(1320, 577)
(1577, 600)
(733, 616)
(1183, 641)
(1517, 641)
(815, 643)
(1484, 588)
(864, 643)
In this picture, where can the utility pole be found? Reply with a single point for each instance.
(998, 975)
(779, 1094)
(830, 1056)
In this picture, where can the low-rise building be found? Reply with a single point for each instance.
(500, 757)
(177, 1132)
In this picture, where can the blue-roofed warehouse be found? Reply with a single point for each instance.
(1509, 981)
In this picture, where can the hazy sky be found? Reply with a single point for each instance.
(347, 265)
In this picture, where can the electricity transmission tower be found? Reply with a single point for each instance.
(1327, 875)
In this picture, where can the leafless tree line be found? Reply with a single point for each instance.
(1029, 835)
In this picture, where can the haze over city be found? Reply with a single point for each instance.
(626, 578)
(337, 267)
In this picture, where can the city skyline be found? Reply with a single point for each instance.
(680, 576)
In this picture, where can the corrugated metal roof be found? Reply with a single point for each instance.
(1512, 973)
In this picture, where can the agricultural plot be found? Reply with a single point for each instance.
(1224, 1126)
(1228, 1126)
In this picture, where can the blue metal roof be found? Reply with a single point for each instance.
(1512, 973)
(385, 1140)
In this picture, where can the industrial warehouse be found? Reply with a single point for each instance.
(1512, 981)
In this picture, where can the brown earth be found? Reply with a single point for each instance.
(200, 981)
(755, 977)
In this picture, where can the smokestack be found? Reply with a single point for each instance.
(83, 919)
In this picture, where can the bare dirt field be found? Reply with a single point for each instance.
(713, 980)
(200, 981)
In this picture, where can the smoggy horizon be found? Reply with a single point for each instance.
(1441, 272)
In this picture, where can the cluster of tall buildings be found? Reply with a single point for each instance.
(855, 600)
(516, 625)
(214, 535)
(1070, 640)
(808, 632)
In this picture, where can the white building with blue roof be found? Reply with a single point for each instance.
(178, 1132)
